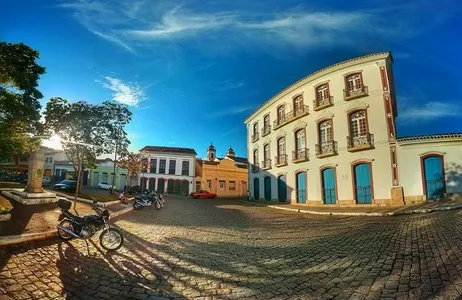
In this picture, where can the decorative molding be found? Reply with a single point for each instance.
(299, 125)
(256, 146)
(266, 141)
(352, 72)
(321, 83)
(380, 64)
(366, 160)
(281, 133)
(357, 105)
(281, 174)
(432, 153)
(297, 94)
(455, 136)
(325, 114)
(326, 166)
(301, 170)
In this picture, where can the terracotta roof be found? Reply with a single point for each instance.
(312, 76)
(169, 149)
(430, 137)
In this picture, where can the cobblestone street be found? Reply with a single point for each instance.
(219, 249)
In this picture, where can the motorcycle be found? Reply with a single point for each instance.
(71, 226)
(146, 200)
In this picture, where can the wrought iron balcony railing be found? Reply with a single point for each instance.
(255, 137)
(255, 167)
(323, 102)
(291, 116)
(327, 148)
(266, 164)
(300, 155)
(280, 160)
(362, 142)
(355, 92)
(266, 130)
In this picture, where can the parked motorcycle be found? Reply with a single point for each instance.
(147, 200)
(70, 226)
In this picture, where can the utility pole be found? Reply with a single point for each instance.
(79, 171)
(114, 172)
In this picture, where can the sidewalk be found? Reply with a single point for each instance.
(425, 207)
(30, 222)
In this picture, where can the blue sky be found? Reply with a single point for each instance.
(192, 71)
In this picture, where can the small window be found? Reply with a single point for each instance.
(222, 185)
(281, 146)
(266, 121)
(322, 92)
(172, 167)
(153, 166)
(185, 168)
(325, 131)
(300, 139)
(281, 112)
(354, 82)
(298, 103)
(266, 152)
(358, 124)
(232, 185)
(209, 184)
(255, 128)
(255, 156)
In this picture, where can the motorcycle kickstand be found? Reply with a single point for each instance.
(88, 248)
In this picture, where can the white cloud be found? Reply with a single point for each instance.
(125, 93)
(430, 111)
(231, 111)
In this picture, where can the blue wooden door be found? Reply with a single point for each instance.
(434, 181)
(256, 188)
(282, 188)
(363, 184)
(328, 186)
(267, 183)
(301, 187)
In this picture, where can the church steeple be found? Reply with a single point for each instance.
(211, 153)
(230, 152)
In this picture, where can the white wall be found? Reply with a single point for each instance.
(409, 165)
(381, 165)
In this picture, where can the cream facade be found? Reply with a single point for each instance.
(330, 138)
(168, 169)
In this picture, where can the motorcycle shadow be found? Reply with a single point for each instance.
(104, 274)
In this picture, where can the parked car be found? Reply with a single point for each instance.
(203, 194)
(46, 181)
(66, 186)
(104, 186)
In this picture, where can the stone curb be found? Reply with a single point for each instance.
(16, 239)
(359, 214)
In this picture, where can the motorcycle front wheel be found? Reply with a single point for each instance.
(63, 234)
(137, 206)
(111, 239)
(158, 205)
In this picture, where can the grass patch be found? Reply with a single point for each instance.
(5, 206)
(99, 198)
(6, 185)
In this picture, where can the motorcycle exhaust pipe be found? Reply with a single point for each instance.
(68, 231)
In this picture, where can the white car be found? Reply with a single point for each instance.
(104, 185)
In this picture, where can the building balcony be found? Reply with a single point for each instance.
(255, 168)
(255, 137)
(324, 102)
(326, 149)
(280, 160)
(266, 130)
(356, 92)
(300, 155)
(291, 116)
(358, 143)
(266, 164)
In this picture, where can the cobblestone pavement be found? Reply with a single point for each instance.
(218, 249)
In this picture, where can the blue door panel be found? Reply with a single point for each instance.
(267, 183)
(282, 188)
(363, 184)
(328, 182)
(434, 181)
(256, 188)
(301, 187)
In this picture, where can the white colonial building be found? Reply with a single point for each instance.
(330, 138)
(168, 169)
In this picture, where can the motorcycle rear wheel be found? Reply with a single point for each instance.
(62, 234)
(158, 205)
(114, 235)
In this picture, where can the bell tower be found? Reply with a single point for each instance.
(211, 153)
(230, 152)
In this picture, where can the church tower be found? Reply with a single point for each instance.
(211, 153)
(230, 152)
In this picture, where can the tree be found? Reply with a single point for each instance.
(19, 100)
(133, 162)
(88, 130)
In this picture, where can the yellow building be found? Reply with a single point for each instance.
(226, 177)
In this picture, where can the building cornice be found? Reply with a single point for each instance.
(453, 137)
(317, 74)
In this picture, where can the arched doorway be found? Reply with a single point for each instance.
(433, 177)
(267, 184)
(301, 187)
(363, 183)
(177, 186)
(170, 185)
(185, 187)
(282, 188)
(152, 184)
(256, 188)
(328, 186)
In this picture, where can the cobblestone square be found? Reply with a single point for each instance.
(222, 249)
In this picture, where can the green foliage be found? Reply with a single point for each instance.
(89, 130)
(19, 99)
(4, 210)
